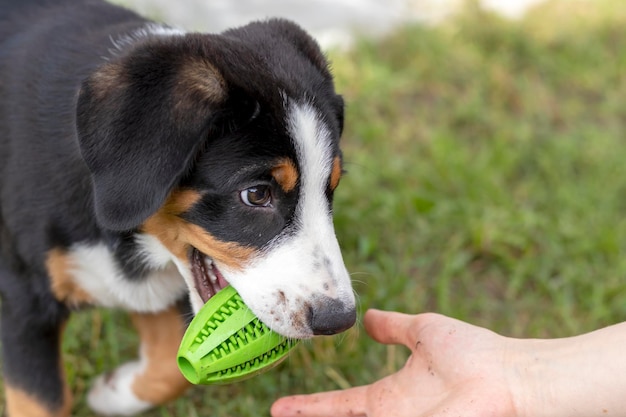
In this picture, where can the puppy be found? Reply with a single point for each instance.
(144, 168)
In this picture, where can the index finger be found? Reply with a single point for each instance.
(344, 403)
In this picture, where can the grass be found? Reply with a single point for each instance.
(485, 158)
(486, 181)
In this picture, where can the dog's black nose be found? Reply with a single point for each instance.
(330, 316)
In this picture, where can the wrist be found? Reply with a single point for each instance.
(530, 386)
(581, 376)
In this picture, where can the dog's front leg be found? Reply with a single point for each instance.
(152, 380)
(31, 327)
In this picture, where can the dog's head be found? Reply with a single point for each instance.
(225, 149)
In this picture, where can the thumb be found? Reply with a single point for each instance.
(391, 327)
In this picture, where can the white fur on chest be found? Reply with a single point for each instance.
(95, 270)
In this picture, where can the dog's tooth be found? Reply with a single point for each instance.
(208, 262)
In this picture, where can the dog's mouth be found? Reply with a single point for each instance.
(207, 278)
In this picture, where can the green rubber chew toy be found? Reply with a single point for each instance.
(226, 342)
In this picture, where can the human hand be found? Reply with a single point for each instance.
(455, 369)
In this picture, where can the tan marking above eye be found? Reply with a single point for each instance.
(285, 174)
(62, 284)
(178, 235)
(335, 174)
(198, 81)
(108, 78)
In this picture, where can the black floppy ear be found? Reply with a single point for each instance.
(140, 121)
(339, 112)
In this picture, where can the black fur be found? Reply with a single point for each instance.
(93, 140)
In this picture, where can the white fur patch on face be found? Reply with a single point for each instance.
(298, 271)
(95, 271)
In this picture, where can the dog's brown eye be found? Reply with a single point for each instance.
(259, 196)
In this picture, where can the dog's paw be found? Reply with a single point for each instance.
(112, 394)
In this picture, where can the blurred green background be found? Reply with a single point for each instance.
(486, 180)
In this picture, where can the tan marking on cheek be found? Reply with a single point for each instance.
(181, 201)
(286, 175)
(62, 284)
(160, 335)
(21, 404)
(335, 174)
(178, 236)
(228, 253)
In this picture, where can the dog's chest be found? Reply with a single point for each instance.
(90, 274)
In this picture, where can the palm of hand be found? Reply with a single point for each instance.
(455, 369)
